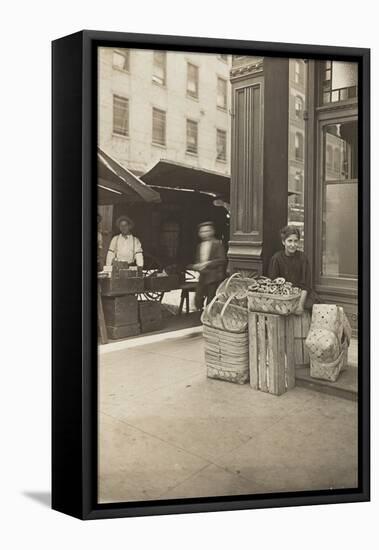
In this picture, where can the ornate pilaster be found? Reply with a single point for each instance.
(259, 183)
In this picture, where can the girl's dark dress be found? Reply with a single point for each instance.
(295, 269)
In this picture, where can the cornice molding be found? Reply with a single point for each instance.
(247, 70)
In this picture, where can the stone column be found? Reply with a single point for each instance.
(259, 169)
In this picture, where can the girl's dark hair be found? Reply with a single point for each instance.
(288, 230)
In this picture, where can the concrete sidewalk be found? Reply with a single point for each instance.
(166, 431)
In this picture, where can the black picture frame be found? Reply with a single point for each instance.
(74, 333)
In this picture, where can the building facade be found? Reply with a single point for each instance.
(157, 105)
(295, 158)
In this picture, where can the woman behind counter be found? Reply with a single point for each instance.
(293, 265)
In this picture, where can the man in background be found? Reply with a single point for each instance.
(210, 262)
(125, 247)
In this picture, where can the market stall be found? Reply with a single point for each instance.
(166, 212)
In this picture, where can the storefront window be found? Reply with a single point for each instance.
(339, 254)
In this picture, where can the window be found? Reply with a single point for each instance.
(159, 127)
(299, 146)
(299, 106)
(329, 157)
(224, 57)
(298, 75)
(299, 181)
(159, 68)
(121, 59)
(337, 161)
(192, 80)
(221, 93)
(338, 81)
(191, 137)
(120, 115)
(221, 145)
(339, 215)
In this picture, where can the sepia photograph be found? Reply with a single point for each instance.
(227, 274)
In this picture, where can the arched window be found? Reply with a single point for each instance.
(299, 106)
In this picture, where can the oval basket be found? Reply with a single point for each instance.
(270, 303)
(237, 286)
(223, 313)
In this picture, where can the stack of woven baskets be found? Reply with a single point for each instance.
(225, 321)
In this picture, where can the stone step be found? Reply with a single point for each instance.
(346, 386)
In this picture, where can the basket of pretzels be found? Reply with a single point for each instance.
(276, 296)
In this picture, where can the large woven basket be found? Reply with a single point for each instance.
(226, 355)
(270, 303)
(236, 286)
(224, 313)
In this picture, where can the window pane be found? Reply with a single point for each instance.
(120, 115)
(340, 199)
(296, 131)
(159, 126)
(338, 81)
(299, 146)
(192, 80)
(191, 136)
(340, 231)
(221, 93)
(221, 145)
(341, 151)
(121, 59)
(159, 68)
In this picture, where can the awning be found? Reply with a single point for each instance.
(173, 175)
(118, 184)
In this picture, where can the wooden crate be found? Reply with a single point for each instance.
(122, 285)
(123, 331)
(150, 315)
(300, 325)
(149, 310)
(120, 310)
(271, 353)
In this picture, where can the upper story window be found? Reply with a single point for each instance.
(221, 93)
(120, 115)
(299, 106)
(298, 72)
(299, 146)
(221, 145)
(338, 81)
(159, 126)
(191, 137)
(192, 80)
(159, 67)
(121, 59)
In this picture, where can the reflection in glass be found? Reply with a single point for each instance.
(341, 151)
(296, 133)
(340, 190)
